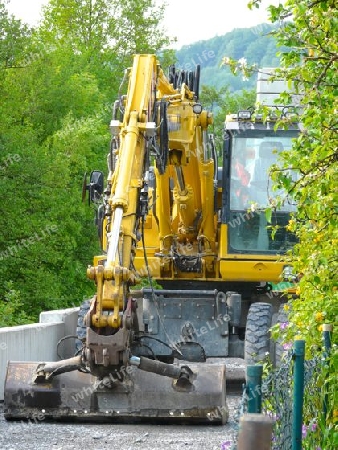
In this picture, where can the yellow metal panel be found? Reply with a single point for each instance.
(232, 270)
(223, 243)
(153, 265)
(100, 259)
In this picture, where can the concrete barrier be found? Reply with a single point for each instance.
(38, 341)
(69, 318)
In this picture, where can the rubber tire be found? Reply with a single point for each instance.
(81, 327)
(257, 334)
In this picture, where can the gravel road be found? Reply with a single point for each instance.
(74, 436)
(20, 435)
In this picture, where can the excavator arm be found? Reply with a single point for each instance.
(164, 123)
(112, 317)
(112, 309)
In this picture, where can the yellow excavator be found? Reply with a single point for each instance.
(195, 228)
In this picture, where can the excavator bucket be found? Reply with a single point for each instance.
(142, 396)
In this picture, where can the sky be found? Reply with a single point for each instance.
(188, 20)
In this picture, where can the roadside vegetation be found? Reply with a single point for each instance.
(309, 30)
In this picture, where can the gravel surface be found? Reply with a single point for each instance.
(15, 435)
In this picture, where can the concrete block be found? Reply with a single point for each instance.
(38, 341)
(35, 342)
(69, 318)
(255, 431)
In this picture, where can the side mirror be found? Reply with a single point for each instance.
(95, 186)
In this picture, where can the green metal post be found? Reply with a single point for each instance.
(298, 394)
(254, 388)
(327, 329)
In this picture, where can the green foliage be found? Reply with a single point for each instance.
(311, 67)
(58, 83)
(13, 38)
(11, 308)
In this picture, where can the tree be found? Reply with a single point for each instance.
(309, 32)
(103, 34)
(58, 83)
(310, 64)
(13, 38)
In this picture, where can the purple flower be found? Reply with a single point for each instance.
(226, 445)
(283, 325)
(287, 345)
(314, 427)
(304, 431)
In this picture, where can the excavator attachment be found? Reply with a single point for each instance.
(141, 396)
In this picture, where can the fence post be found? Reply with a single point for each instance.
(327, 329)
(255, 432)
(254, 388)
(298, 394)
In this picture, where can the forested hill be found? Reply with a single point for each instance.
(255, 44)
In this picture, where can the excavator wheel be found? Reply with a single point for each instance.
(257, 334)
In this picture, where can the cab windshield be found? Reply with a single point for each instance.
(251, 160)
(252, 190)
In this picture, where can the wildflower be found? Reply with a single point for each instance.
(287, 345)
(314, 427)
(286, 307)
(291, 225)
(319, 316)
(242, 62)
(304, 431)
(226, 60)
(254, 207)
(226, 445)
(283, 325)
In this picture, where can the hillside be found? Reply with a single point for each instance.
(256, 44)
